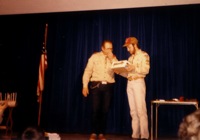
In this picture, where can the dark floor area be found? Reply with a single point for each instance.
(109, 137)
(77, 136)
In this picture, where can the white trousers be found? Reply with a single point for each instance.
(136, 91)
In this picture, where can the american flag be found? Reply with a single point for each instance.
(42, 68)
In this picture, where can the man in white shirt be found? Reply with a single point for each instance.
(136, 88)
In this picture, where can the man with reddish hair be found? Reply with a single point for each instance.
(136, 88)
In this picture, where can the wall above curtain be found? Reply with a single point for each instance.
(8, 7)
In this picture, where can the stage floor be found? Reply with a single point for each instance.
(108, 137)
(86, 137)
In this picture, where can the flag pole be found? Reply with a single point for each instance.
(42, 67)
(40, 106)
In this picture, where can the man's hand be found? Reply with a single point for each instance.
(85, 92)
(130, 67)
(110, 55)
(115, 71)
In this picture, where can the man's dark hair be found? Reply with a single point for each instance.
(106, 41)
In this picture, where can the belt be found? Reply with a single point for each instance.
(96, 84)
(101, 82)
(134, 78)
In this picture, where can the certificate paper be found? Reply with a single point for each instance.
(120, 66)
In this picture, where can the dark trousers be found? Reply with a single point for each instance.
(101, 95)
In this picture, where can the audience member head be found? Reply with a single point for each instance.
(33, 133)
(189, 129)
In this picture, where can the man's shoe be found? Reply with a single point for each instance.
(101, 137)
(135, 138)
(93, 136)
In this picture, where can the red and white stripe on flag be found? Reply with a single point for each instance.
(42, 68)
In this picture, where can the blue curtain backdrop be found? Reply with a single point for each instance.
(171, 36)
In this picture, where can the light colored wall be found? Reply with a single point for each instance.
(46, 6)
